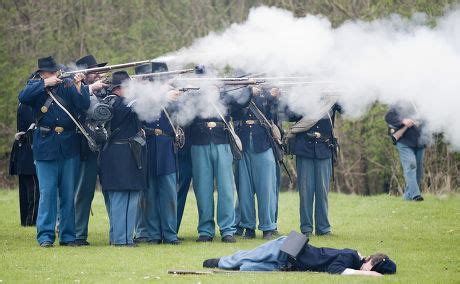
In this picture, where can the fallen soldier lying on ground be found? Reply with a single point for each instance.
(293, 253)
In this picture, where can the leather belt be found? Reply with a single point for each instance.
(251, 122)
(211, 124)
(156, 132)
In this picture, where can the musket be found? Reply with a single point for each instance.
(165, 73)
(396, 134)
(197, 70)
(185, 89)
(243, 82)
(247, 78)
(103, 69)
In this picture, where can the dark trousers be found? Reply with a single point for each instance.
(29, 195)
(185, 179)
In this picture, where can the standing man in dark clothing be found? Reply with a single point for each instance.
(123, 165)
(256, 170)
(272, 256)
(406, 132)
(56, 148)
(22, 165)
(313, 144)
(88, 163)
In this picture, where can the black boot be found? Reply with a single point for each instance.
(228, 239)
(239, 231)
(268, 235)
(250, 234)
(204, 239)
(211, 263)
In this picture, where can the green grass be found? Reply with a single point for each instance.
(423, 239)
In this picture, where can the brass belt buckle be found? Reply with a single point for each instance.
(211, 124)
(59, 129)
(317, 135)
(250, 122)
(158, 131)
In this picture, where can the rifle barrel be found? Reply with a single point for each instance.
(105, 68)
(158, 74)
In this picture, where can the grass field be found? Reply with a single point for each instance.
(423, 239)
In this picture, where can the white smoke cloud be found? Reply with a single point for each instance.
(150, 98)
(385, 60)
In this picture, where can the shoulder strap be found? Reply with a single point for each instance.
(91, 141)
(259, 114)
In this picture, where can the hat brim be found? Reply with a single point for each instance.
(48, 69)
(98, 65)
(111, 87)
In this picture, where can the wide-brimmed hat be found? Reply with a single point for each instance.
(88, 61)
(47, 64)
(118, 78)
(152, 67)
(386, 266)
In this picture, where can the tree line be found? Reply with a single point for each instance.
(121, 31)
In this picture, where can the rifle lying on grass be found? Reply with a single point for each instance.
(213, 271)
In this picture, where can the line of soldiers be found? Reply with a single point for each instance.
(145, 173)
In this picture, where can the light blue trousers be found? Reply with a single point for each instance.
(265, 257)
(209, 162)
(123, 211)
(56, 178)
(412, 163)
(257, 176)
(84, 195)
(157, 215)
(313, 181)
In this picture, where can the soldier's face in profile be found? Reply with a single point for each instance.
(118, 91)
(367, 265)
(47, 74)
(91, 78)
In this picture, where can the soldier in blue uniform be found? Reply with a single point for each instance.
(88, 163)
(275, 255)
(314, 149)
(157, 215)
(56, 148)
(123, 164)
(256, 170)
(212, 159)
(22, 165)
(411, 146)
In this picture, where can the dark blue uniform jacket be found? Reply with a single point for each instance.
(21, 160)
(260, 137)
(412, 137)
(160, 148)
(53, 146)
(312, 148)
(329, 260)
(118, 167)
(201, 134)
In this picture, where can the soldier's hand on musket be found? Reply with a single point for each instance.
(173, 95)
(77, 80)
(18, 135)
(79, 77)
(408, 122)
(275, 92)
(52, 81)
(96, 86)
